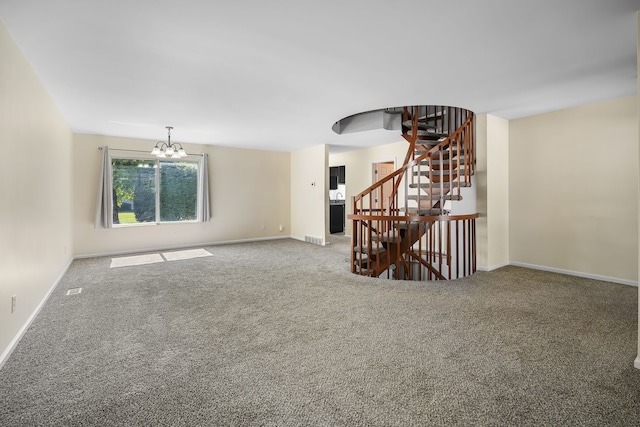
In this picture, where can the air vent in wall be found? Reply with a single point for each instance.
(314, 240)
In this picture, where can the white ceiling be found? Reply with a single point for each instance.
(277, 74)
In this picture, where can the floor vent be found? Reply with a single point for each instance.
(74, 291)
(314, 240)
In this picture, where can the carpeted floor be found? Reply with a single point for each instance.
(280, 333)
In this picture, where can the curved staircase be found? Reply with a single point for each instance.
(402, 227)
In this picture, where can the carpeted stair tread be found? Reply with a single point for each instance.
(425, 212)
(412, 225)
(423, 124)
(435, 198)
(427, 144)
(373, 250)
(446, 154)
(387, 237)
(436, 172)
(438, 184)
(445, 161)
(424, 134)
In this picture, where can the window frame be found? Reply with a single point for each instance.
(197, 160)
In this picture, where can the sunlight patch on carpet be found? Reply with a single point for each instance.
(128, 261)
(186, 254)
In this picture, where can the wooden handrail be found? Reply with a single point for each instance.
(411, 163)
(446, 243)
(385, 238)
(412, 218)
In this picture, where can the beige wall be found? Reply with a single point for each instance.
(310, 193)
(35, 193)
(492, 190)
(248, 188)
(573, 189)
(358, 169)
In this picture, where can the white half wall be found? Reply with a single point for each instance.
(492, 191)
(310, 193)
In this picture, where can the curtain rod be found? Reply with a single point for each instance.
(142, 151)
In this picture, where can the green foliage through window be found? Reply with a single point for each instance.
(178, 191)
(136, 196)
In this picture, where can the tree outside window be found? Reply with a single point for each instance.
(153, 191)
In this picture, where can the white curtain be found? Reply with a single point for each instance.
(204, 213)
(104, 216)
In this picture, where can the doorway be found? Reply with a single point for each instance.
(337, 199)
(380, 170)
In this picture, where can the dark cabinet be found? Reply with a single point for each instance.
(336, 218)
(339, 172)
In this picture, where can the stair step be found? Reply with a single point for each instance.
(438, 184)
(426, 212)
(446, 155)
(412, 225)
(423, 197)
(436, 191)
(362, 263)
(428, 135)
(423, 124)
(432, 142)
(445, 161)
(427, 144)
(436, 172)
(389, 237)
(373, 250)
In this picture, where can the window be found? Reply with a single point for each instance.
(154, 191)
(139, 190)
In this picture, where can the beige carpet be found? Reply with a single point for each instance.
(279, 333)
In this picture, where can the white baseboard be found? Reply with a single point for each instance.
(231, 242)
(170, 248)
(493, 267)
(636, 364)
(14, 342)
(575, 273)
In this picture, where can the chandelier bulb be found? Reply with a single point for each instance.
(163, 150)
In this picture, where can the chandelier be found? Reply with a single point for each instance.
(167, 149)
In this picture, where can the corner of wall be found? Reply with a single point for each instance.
(637, 362)
(482, 243)
(309, 192)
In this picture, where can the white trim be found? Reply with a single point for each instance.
(14, 342)
(636, 363)
(386, 160)
(164, 248)
(493, 267)
(575, 273)
(374, 162)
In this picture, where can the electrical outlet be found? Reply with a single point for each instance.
(262, 227)
(13, 303)
(281, 227)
